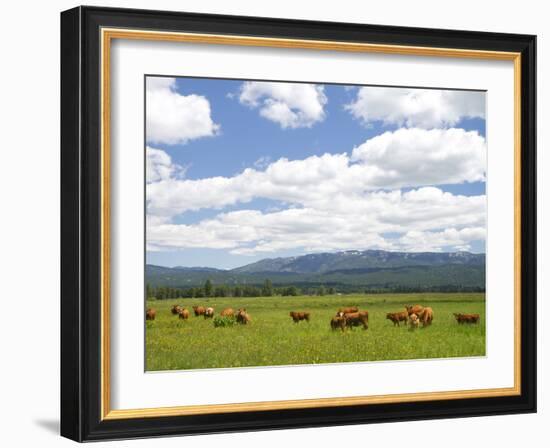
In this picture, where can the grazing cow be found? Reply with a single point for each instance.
(426, 316)
(466, 318)
(184, 313)
(338, 322)
(209, 313)
(396, 318)
(243, 317)
(297, 316)
(228, 312)
(357, 319)
(176, 309)
(349, 309)
(413, 322)
(199, 310)
(415, 309)
(150, 314)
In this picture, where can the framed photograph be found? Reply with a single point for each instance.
(274, 223)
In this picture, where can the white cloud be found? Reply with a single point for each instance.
(424, 219)
(332, 201)
(405, 158)
(417, 156)
(159, 166)
(173, 118)
(290, 105)
(424, 108)
(426, 241)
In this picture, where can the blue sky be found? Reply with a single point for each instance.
(217, 148)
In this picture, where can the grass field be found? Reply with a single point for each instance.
(273, 339)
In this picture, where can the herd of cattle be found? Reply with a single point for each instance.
(241, 316)
(413, 316)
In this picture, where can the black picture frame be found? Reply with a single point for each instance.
(81, 224)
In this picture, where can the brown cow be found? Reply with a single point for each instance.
(426, 316)
(243, 317)
(176, 309)
(209, 313)
(338, 322)
(184, 313)
(357, 319)
(413, 322)
(396, 318)
(228, 312)
(199, 310)
(414, 309)
(466, 318)
(150, 314)
(297, 316)
(349, 309)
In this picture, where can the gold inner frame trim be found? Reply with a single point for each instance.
(107, 35)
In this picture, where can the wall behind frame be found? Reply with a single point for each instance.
(29, 235)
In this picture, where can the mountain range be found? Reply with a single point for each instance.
(349, 269)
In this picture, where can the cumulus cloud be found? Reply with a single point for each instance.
(425, 219)
(405, 158)
(418, 156)
(289, 105)
(173, 118)
(423, 108)
(159, 166)
(434, 241)
(330, 202)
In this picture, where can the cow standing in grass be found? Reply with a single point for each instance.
(228, 312)
(199, 310)
(396, 318)
(414, 309)
(209, 313)
(466, 318)
(150, 314)
(183, 313)
(297, 316)
(414, 321)
(338, 322)
(176, 309)
(349, 309)
(243, 317)
(360, 318)
(427, 316)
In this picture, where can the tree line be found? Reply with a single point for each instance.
(208, 289)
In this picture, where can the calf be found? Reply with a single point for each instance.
(199, 310)
(357, 319)
(150, 314)
(414, 321)
(243, 317)
(466, 318)
(184, 313)
(297, 316)
(338, 322)
(396, 318)
(209, 313)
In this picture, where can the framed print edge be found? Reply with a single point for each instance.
(86, 34)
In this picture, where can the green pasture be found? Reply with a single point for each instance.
(272, 338)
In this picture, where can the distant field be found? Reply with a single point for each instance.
(273, 339)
